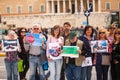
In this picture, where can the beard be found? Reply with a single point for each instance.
(66, 30)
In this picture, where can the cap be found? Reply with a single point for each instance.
(72, 35)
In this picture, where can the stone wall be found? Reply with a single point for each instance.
(95, 19)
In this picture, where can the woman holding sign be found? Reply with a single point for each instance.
(87, 36)
(54, 44)
(11, 47)
(102, 56)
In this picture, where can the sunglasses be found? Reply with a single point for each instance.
(101, 32)
(23, 31)
(112, 28)
(117, 33)
(36, 28)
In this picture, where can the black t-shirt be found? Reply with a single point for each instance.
(72, 60)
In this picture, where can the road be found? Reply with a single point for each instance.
(3, 71)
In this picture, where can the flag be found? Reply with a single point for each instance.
(90, 7)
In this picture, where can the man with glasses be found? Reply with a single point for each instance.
(35, 53)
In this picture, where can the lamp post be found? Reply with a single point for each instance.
(87, 13)
(86, 10)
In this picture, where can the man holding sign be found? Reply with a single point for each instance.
(73, 67)
(35, 50)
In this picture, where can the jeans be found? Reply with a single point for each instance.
(102, 72)
(86, 72)
(12, 69)
(73, 72)
(55, 69)
(35, 63)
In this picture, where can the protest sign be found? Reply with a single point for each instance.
(87, 62)
(99, 46)
(34, 39)
(55, 50)
(10, 45)
(70, 51)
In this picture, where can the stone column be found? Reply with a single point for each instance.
(93, 5)
(53, 7)
(47, 6)
(88, 4)
(70, 6)
(58, 6)
(76, 9)
(81, 5)
(99, 5)
(64, 7)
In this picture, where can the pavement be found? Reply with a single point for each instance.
(3, 71)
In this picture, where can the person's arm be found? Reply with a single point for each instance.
(47, 48)
(44, 42)
(26, 44)
(19, 48)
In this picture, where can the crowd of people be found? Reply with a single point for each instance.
(28, 56)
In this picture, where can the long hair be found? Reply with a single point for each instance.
(104, 30)
(54, 28)
(19, 31)
(116, 31)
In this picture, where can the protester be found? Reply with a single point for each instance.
(35, 53)
(55, 65)
(102, 58)
(11, 59)
(66, 29)
(73, 65)
(110, 38)
(86, 38)
(23, 55)
(65, 34)
(116, 56)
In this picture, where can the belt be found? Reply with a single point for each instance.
(35, 55)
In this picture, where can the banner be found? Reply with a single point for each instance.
(10, 45)
(55, 51)
(99, 46)
(70, 51)
(87, 62)
(34, 39)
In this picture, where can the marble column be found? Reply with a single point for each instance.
(70, 6)
(47, 6)
(93, 5)
(58, 6)
(76, 9)
(99, 5)
(81, 5)
(53, 6)
(64, 7)
(88, 4)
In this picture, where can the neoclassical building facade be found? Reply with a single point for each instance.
(23, 13)
(72, 6)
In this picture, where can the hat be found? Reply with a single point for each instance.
(72, 35)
